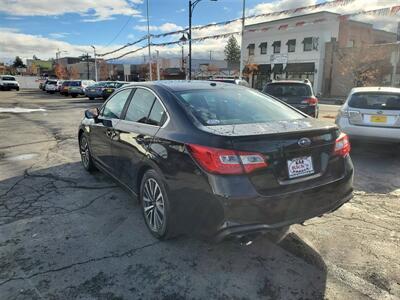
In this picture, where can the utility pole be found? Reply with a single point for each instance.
(210, 55)
(241, 43)
(158, 65)
(191, 8)
(95, 62)
(190, 40)
(86, 57)
(148, 40)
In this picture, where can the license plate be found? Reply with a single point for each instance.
(109, 90)
(378, 119)
(300, 166)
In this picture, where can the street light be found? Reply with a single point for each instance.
(95, 62)
(183, 41)
(192, 5)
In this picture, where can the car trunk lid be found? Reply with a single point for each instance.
(297, 152)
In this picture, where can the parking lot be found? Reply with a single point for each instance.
(65, 234)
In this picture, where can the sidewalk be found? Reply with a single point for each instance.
(332, 100)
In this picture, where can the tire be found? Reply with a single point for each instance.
(151, 188)
(277, 235)
(17, 89)
(86, 157)
(66, 95)
(91, 98)
(74, 95)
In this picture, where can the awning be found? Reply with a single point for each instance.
(251, 46)
(262, 45)
(278, 68)
(291, 42)
(300, 68)
(264, 69)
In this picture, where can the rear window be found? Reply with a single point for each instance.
(235, 106)
(75, 83)
(288, 90)
(8, 78)
(375, 100)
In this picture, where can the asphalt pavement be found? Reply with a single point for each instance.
(66, 234)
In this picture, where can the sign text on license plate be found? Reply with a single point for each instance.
(300, 166)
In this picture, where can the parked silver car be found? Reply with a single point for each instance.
(371, 113)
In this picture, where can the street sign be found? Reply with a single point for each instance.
(281, 58)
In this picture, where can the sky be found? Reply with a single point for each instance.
(40, 27)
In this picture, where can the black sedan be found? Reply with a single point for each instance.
(217, 159)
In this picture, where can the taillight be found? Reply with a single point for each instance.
(310, 101)
(342, 145)
(222, 161)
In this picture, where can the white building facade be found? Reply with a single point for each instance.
(290, 48)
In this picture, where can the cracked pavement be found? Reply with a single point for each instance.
(65, 234)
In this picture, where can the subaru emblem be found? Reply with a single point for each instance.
(304, 142)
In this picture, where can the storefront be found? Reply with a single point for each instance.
(300, 71)
(262, 76)
(278, 72)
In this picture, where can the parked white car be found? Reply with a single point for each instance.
(371, 113)
(8, 82)
(51, 86)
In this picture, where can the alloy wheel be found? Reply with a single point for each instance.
(85, 154)
(153, 205)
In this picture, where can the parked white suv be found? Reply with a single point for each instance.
(371, 113)
(51, 86)
(8, 82)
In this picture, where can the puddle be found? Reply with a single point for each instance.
(21, 157)
(18, 110)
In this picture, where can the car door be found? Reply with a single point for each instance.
(102, 131)
(134, 134)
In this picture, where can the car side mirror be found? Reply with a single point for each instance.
(92, 113)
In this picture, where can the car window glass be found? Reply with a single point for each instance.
(288, 90)
(140, 106)
(157, 115)
(381, 101)
(235, 106)
(113, 108)
(8, 78)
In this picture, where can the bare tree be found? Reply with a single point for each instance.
(74, 72)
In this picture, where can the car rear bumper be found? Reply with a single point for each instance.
(263, 213)
(10, 86)
(92, 94)
(368, 132)
(76, 92)
(220, 206)
(238, 229)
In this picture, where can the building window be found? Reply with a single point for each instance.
(291, 45)
(251, 49)
(277, 46)
(308, 44)
(263, 48)
(350, 43)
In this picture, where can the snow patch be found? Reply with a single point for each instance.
(18, 110)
